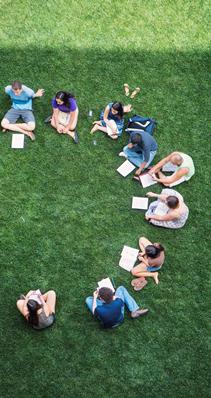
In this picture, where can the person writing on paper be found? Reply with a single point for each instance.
(21, 97)
(65, 114)
(168, 211)
(141, 150)
(108, 307)
(112, 120)
(38, 309)
(178, 161)
(152, 257)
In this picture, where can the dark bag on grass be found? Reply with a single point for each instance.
(140, 123)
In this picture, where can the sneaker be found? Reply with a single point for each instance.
(48, 119)
(122, 155)
(76, 138)
(137, 313)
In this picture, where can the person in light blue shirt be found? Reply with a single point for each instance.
(21, 97)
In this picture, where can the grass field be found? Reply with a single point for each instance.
(65, 213)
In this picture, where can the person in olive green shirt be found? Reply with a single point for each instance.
(182, 165)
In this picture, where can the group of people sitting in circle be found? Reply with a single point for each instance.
(168, 210)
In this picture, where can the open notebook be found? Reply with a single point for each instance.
(128, 258)
(140, 203)
(106, 282)
(146, 180)
(126, 168)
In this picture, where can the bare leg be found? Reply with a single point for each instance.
(143, 242)
(18, 128)
(50, 299)
(73, 121)
(20, 304)
(53, 124)
(98, 127)
(153, 275)
(139, 268)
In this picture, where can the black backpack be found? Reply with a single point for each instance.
(140, 123)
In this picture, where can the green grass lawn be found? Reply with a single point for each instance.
(66, 213)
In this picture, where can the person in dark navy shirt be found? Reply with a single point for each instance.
(108, 307)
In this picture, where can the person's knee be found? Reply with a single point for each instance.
(133, 272)
(88, 301)
(4, 123)
(31, 125)
(51, 293)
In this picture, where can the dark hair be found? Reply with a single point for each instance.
(172, 202)
(136, 139)
(16, 85)
(106, 294)
(117, 106)
(64, 96)
(153, 251)
(33, 306)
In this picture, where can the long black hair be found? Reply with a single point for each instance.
(33, 306)
(117, 106)
(153, 251)
(64, 96)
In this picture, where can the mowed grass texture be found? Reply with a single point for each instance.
(66, 213)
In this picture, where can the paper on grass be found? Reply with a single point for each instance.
(128, 258)
(147, 180)
(126, 168)
(106, 282)
(17, 141)
(140, 203)
(169, 167)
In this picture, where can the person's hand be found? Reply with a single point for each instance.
(59, 130)
(138, 172)
(150, 194)
(147, 217)
(95, 294)
(40, 92)
(130, 145)
(151, 171)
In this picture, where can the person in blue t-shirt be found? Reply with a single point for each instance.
(108, 307)
(141, 150)
(21, 97)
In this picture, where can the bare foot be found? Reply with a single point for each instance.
(135, 92)
(94, 129)
(4, 130)
(97, 122)
(31, 135)
(127, 89)
(156, 278)
(128, 108)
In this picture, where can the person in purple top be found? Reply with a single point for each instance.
(65, 114)
(108, 307)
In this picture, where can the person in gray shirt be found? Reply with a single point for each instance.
(141, 150)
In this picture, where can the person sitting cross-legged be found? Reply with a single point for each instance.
(183, 169)
(108, 307)
(168, 211)
(140, 151)
(21, 97)
(112, 120)
(151, 258)
(38, 309)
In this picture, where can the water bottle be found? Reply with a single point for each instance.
(94, 142)
(90, 113)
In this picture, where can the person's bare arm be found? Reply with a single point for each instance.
(166, 217)
(141, 167)
(160, 164)
(174, 177)
(94, 305)
(161, 196)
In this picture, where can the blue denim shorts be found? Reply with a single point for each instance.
(153, 269)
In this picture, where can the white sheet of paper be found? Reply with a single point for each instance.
(129, 251)
(17, 141)
(126, 263)
(140, 203)
(169, 167)
(106, 282)
(147, 180)
(126, 168)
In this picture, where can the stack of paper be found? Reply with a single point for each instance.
(128, 258)
(106, 283)
(140, 203)
(169, 167)
(17, 141)
(126, 168)
(147, 180)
